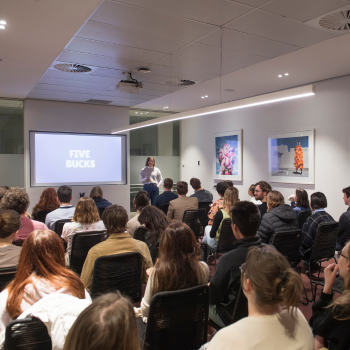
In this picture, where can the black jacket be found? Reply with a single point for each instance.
(281, 218)
(224, 286)
(344, 228)
(163, 198)
(102, 203)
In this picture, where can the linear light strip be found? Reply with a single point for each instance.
(163, 120)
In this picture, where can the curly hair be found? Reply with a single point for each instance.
(48, 200)
(16, 199)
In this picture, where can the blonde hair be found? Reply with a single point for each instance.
(274, 199)
(230, 198)
(86, 211)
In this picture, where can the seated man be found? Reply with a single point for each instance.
(199, 193)
(178, 206)
(262, 188)
(344, 222)
(224, 286)
(65, 211)
(119, 241)
(167, 196)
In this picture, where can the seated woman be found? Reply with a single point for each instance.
(109, 323)
(273, 290)
(85, 219)
(140, 201)
(155, 223)
(178, 265)
(330, 318)
(41, 271)
(97, 195)
(300, 201)
(48, 201)
(212, 233)
(220, 187)
(279, 217)
(10, 223)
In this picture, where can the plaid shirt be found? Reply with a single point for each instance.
(310, 228)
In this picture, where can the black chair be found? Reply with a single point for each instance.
(81, 244)
(196, 220)
(118, 272)
(100, 212)
(165, 207)
(302, 217)
(288, 243)
(338, 285)
(178, 320)
(205, 205)
(28, 333)
(7, 274)
(140, 233)
(59, 226)
(18, 242)
(322, 250)
(41, 215)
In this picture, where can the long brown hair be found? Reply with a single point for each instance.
(153, 219)
(272, 278)
(86, 211)
(42, 256)
(48, 200)
(230, 198)
(177, 268)
(302, 198)
(109, 323)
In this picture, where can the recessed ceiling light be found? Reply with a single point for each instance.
(3, 22)
(141, 113)
(286, 73)
(165, 107)
(202, 96)
(144, 70)
(206, 96)
(2, 26)
(136, 112)
(280, 76)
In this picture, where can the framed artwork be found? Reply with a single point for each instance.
(291, 157)
(228, 155)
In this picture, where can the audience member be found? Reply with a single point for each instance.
(178, 266)
(155, 223)
(17, 199)
(41, 271)
(85, 219)
(199, 193)
(279, 217)
(66, 209)
(318, 203)
(167, 196)
(119, 241)
(212, 233)
(97, 195)
(3, 190)
(10, 223)
(262, 188)
(330, 318)
(252, 199)
(178, 206)
(109, 323)
(226, 282)
(300, 202)
(217, 205)
(48, 201)
(273, 290)
(344, 222)
(140, 201)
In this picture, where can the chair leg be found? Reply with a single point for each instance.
(214, 253)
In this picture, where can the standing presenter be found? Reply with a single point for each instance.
(151, 178)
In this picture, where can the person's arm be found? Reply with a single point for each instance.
(307, 232)
(143, 178)
(171, 211)
(217, 221)
(66, 231)
(88, 268)
(344, 227)
(146, 300)
(5, 318)
(159, 178)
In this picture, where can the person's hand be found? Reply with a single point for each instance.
(330, 273)
(148, 179)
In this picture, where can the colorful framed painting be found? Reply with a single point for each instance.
(228, 155)
(291, 157)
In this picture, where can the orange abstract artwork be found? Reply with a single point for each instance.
(298, 158)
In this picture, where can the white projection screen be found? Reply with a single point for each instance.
(58, 158)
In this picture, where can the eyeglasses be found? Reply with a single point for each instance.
(242, 267)
(343, 256)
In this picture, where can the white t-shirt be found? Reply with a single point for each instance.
(255, 201)
(272, 332)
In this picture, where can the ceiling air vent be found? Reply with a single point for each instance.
(179, 82)
(336, 21)
(72, 68)
(101, 102)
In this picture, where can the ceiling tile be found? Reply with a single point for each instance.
(72, 83)
(302, 10)
(162, 87)
(216, 12)
(129, 37)
(200, 51)
(108, 73)
(60, 94)
(151, 22)
(274, 27)
(254, 3)
(113, 50)
(144, 91)
(240, 58)
(39, 87)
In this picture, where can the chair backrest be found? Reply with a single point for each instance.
(118, 272)
(18, 243)
(205, 205)
(81, 244)
(241, 307)
(165, 207)
(196, 220)
(226, 238)
(28, 333)
(302, 217)
(178, 319)
(59, 225)
(288, 243)
(7, 274)
(140, 233)
(100, 212)
(41, 215)
(325, 242)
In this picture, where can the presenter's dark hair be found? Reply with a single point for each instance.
(195, 183)
(149, 158)
(10, 222)
(16, 199)
(318, 200)
(182, 187)
(168, 183)
(96, 192)
(346, 190)
(115, 217)
(3, 190)
(302, 198)
(246, 216)
(141, 200)
(64, 194)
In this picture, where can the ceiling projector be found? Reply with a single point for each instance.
(130, 86)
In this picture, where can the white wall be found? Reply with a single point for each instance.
(11, 173)
(327, 112)
(74, 117)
